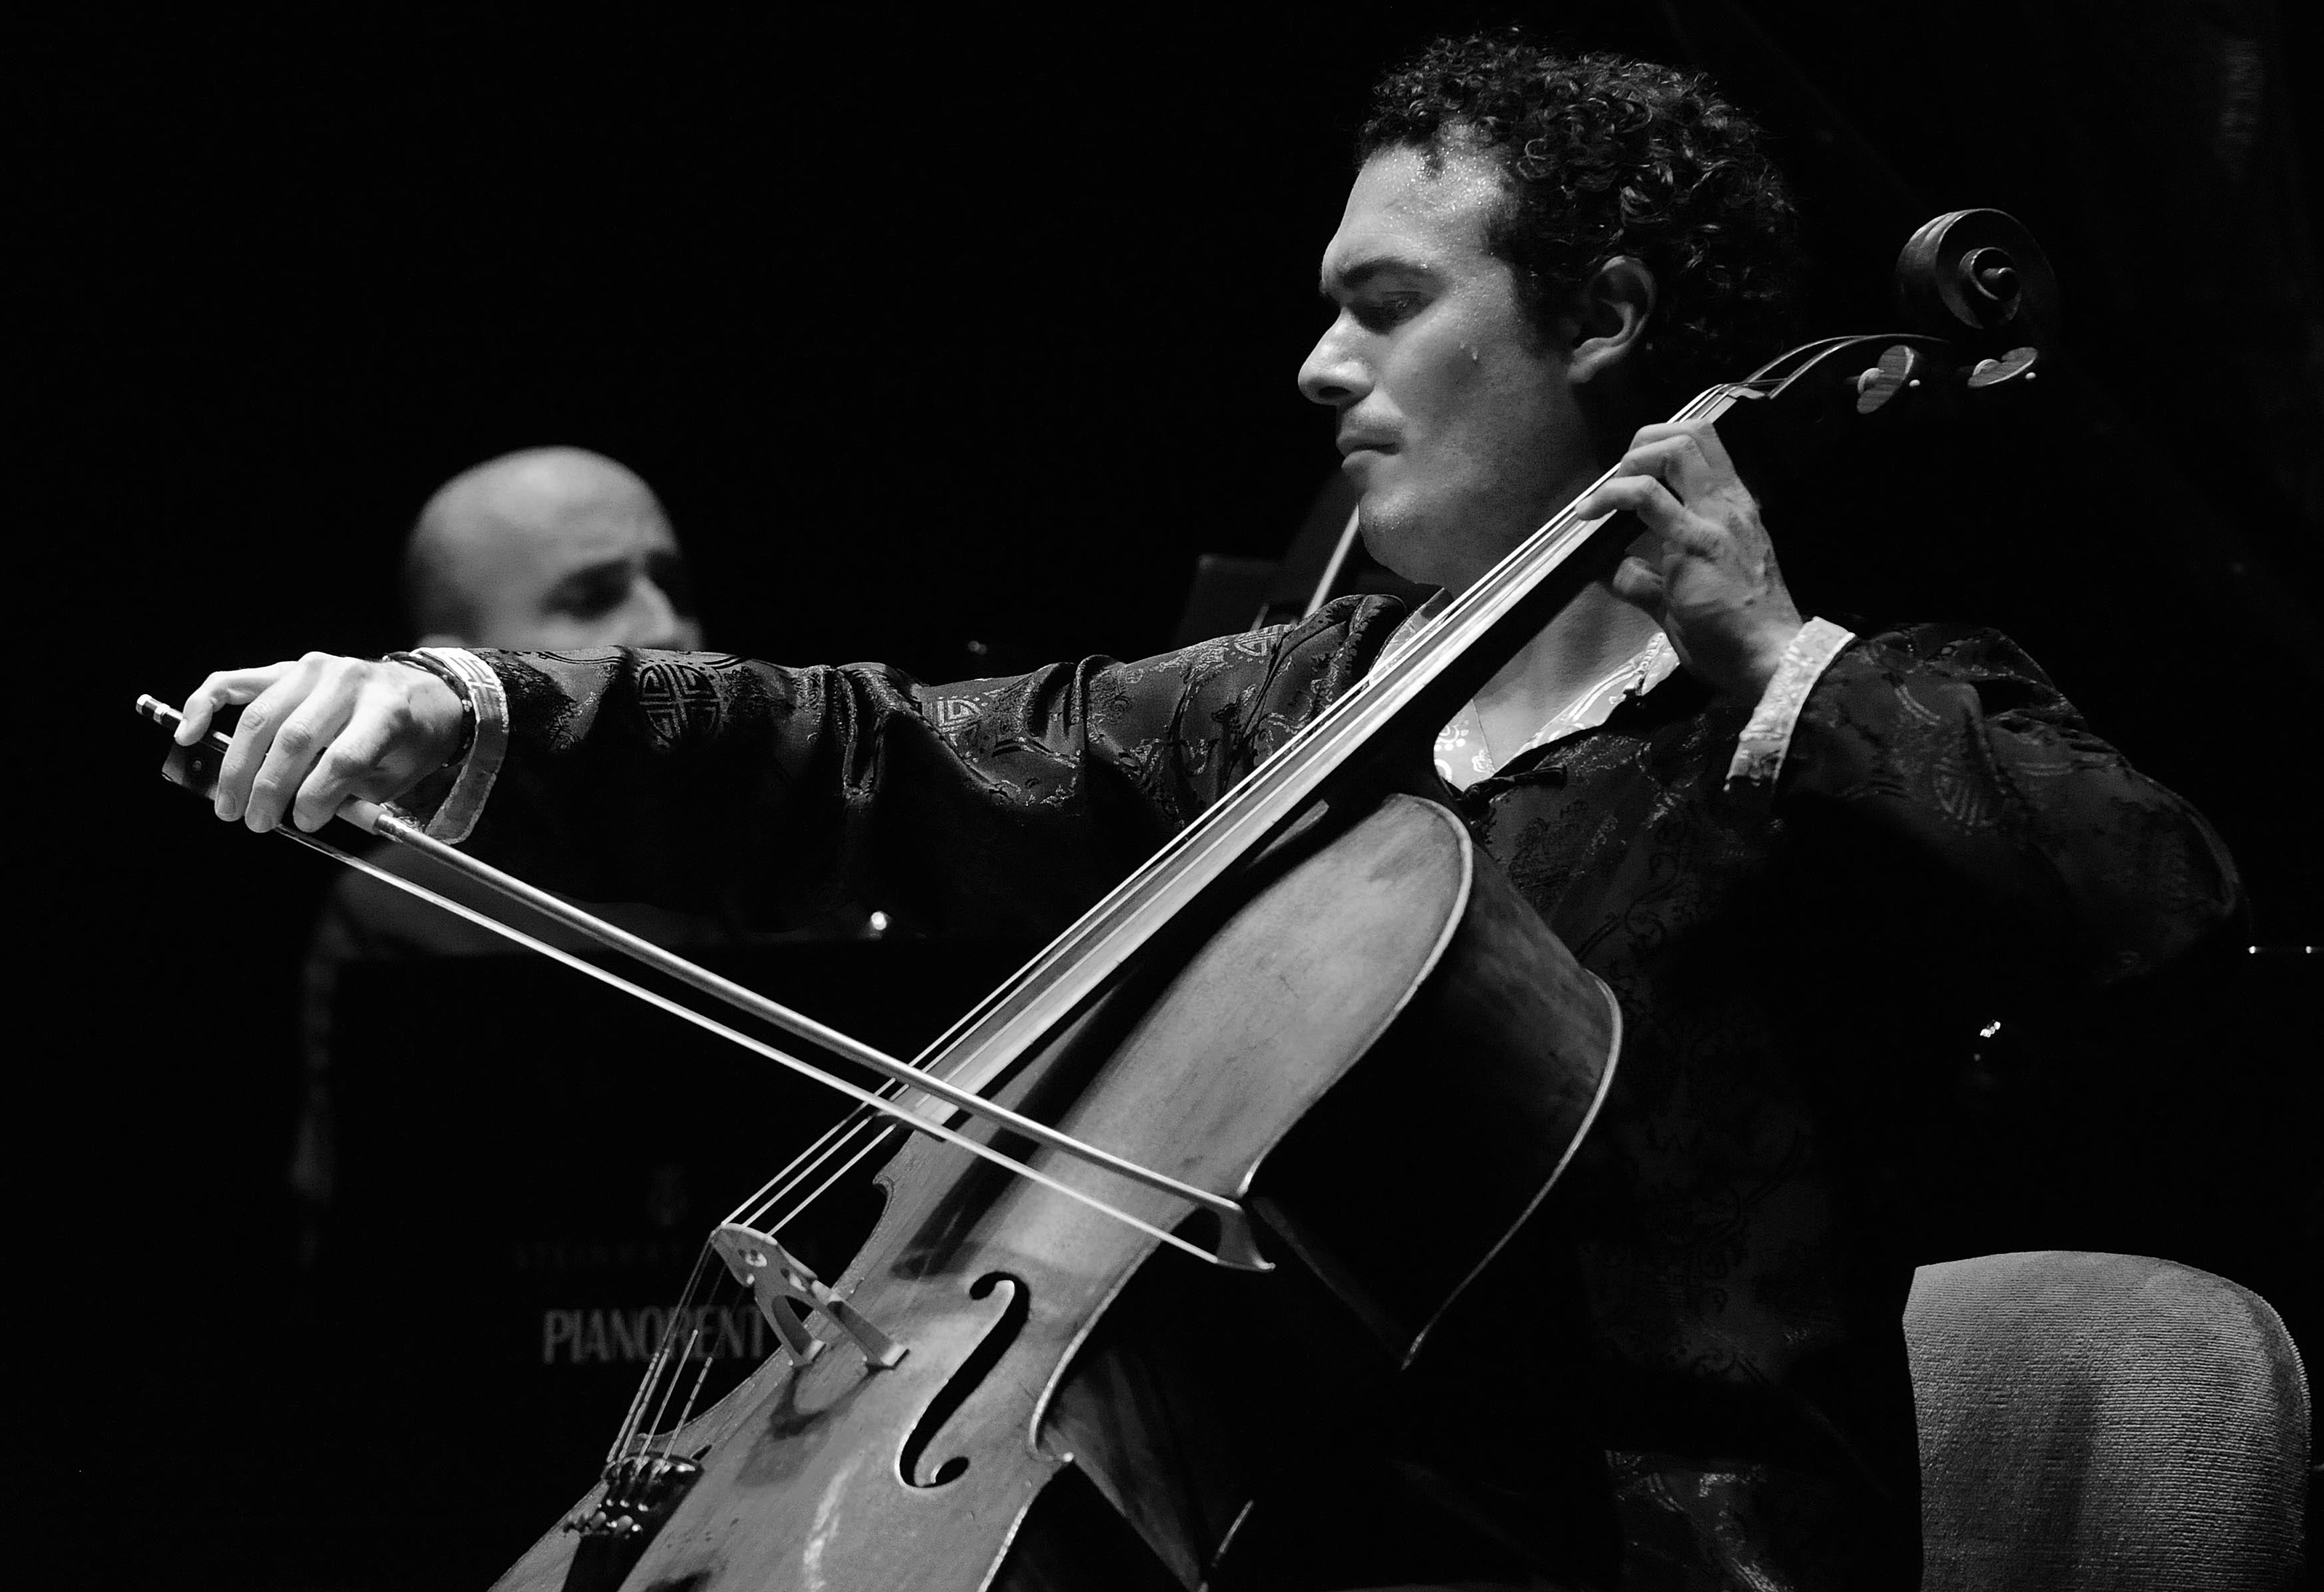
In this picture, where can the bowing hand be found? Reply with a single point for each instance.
(1704, 569)
(320, 730)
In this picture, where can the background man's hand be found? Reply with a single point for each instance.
(318, 731)
(1704, 569)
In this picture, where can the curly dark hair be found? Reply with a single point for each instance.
(1603, 156)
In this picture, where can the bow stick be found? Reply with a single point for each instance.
(1237, 1246)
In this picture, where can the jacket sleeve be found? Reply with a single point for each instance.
(1953, 746)
(772, 797)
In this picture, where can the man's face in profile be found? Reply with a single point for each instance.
(1460, 430)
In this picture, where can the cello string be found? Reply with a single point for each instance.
(654, 1370)
(1547, 546)
(718, 1279)
(1075, 966)
(1226, 823)
(910, 1119)
(878, 1132)
(1517, 572)
(804, 1165)
(686, 1411)
(700, 1324)
(1553, 541)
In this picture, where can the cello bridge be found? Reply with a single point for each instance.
(787, 1294)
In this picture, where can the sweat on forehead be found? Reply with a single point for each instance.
(1410, 214)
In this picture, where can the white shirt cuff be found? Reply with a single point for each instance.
(458, 812)
(1759, 749)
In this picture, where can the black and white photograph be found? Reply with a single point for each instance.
(1307, 798)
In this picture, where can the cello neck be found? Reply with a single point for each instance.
(1407, 696)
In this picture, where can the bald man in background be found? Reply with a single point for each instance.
(547, 549)
(551, 549)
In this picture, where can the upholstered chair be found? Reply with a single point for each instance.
(2105, 1421)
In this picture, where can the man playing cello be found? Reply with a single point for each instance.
(1804, 860)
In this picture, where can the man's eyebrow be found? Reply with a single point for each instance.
(596, 570)
(1364, 273)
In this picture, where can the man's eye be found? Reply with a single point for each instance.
(591, 598)
(1378, 315)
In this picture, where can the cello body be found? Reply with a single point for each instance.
(1396, 1060)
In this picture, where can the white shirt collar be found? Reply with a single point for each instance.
(1463, 759)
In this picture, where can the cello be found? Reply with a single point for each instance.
(1228, 1067)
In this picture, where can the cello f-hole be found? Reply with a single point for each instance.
(912, 1462)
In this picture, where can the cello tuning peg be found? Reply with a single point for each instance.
(1900, 366)
(2017, 366)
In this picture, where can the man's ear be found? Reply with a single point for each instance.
(1611, 317)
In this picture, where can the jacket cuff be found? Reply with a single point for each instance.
(456, 812)
(1759, 749)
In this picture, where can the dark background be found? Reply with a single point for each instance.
(953, 334)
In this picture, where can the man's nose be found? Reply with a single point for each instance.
(659, 623)
(1332, 373)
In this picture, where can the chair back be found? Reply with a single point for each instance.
(2103, 1421)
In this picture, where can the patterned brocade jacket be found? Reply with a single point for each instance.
(1801, 967)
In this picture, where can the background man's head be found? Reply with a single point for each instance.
(549, 549)
(1600, 156)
